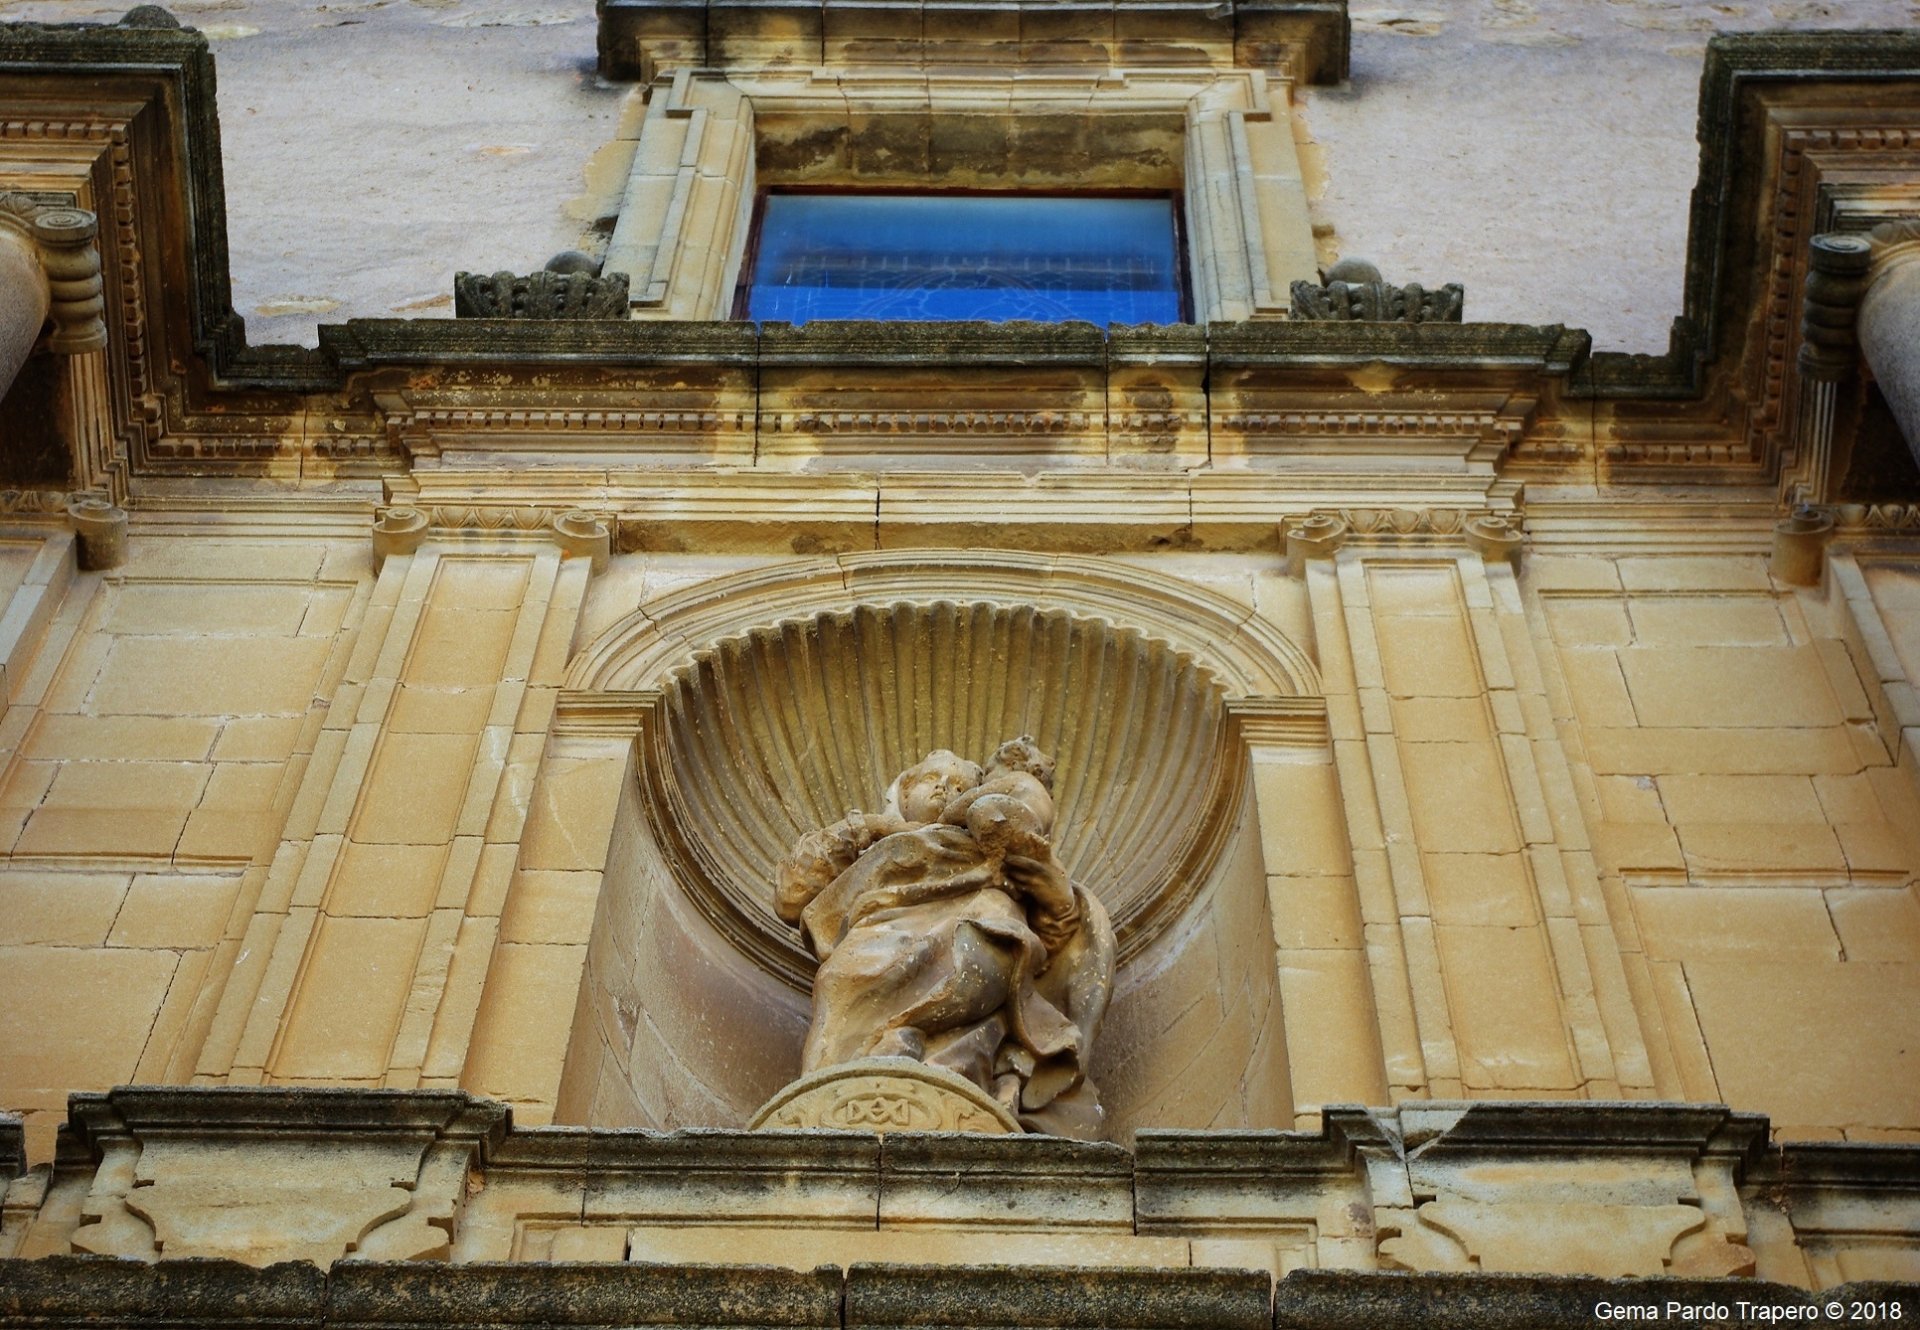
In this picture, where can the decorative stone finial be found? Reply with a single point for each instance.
(1799, 545)
(398, 530)
(583, 534)
(102, 532)
(540, 295)
(1371, 300)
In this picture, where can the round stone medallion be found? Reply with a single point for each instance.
(883, 1095)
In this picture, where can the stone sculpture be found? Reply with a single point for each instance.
(949, 934)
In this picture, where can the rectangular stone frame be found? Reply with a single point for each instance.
(685, 215)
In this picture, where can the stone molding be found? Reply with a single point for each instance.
(345, 1177)
(1141, 822)
(1246, 655)
(1447, 1195)
(1281, 722)
(1892, 519)
(404, 528)
(231, 418)
(267, 1175)
(1303, 39)
(714, 135)
(67, 1289)
(1497, 536)
(584, 713)
(1837, 276)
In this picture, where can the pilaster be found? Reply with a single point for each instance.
(382, 909)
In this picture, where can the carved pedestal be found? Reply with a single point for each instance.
(882, 1095)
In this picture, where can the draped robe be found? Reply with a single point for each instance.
(925, 953)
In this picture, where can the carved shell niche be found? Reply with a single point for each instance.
(783, 730)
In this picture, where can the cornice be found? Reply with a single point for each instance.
(1730, 160)
(236, 409)
(1306, 40)
(148, 1112)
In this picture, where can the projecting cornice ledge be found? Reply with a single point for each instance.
(1306, 40)
(349, 1178)
(1861, 85)
(363, 344)
(95, 1290)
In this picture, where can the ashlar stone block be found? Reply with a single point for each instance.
(1731, 687)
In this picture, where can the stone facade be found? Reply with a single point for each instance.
(1498, 758)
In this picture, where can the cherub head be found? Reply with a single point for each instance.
(922, 790)
(1022, 754)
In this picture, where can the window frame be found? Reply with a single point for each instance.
(750, 255)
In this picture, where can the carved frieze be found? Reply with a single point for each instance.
(1878, 518)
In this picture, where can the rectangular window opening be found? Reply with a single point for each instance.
(841, 254)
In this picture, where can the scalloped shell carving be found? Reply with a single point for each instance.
(783, 729)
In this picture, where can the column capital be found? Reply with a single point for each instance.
(64, 239)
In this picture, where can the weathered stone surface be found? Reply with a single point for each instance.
(541, 295)
(1338, 1300)
(1537, 1187)
(65, 1290)
(881, 1296)
(89, 1290)
(585, 1295)
(266, 1176)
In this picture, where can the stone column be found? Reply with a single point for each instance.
(23, 301)
(48, 265)
(1889, 326)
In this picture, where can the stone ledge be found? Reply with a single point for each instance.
(968, 1296)
(60, 1291)
(149, 1112)
(1307, 40)
(349, 1177)
(1338, 1300)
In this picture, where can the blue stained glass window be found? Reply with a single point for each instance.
(948, 256)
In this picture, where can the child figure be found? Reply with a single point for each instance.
(1010, 816)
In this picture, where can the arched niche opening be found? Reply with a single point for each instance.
(696, 996)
